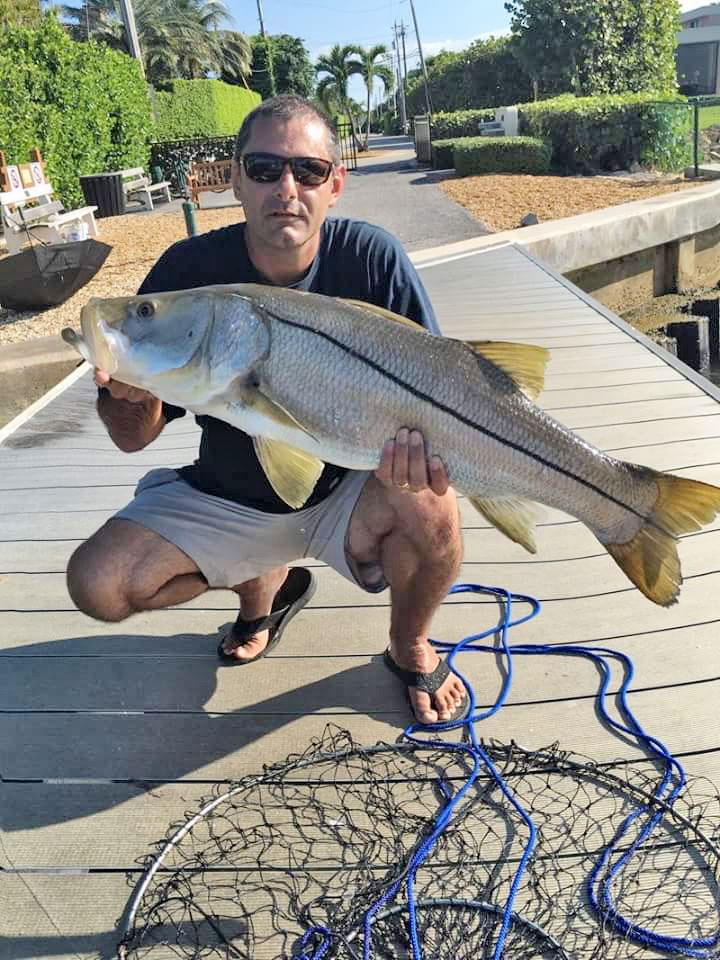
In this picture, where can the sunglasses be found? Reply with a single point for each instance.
(268, 168)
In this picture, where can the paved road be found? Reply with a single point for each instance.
(394, 193)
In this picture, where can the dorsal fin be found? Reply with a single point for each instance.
(381, 312)
(524, 363)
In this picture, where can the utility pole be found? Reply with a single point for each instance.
(428, 102)
(400, 84)
(268, 51)
(402, 34)
(128, 17)
(262, 22)
(393, 67)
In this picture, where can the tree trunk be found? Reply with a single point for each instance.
(351, 118)
(367, 126)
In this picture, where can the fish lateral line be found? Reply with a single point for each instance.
(538, 458)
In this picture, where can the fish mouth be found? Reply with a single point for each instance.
(97, 341)
(77, 342)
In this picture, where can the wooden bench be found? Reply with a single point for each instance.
(31, 212)
(211, 175)
(137, 186)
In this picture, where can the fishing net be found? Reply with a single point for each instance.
(310, 844)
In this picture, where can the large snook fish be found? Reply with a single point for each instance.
(314, 379)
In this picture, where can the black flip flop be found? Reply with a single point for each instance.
(428, 683)
(292, 596)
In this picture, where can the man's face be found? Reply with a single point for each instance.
(285, 215)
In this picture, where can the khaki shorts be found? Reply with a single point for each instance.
(231, 543)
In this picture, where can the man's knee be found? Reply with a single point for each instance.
(95, 586)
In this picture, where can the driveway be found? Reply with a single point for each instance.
(393, 192)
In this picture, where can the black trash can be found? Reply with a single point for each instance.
(105, 191)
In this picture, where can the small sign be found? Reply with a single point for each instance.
(13, 177)
(26, 175)
(38, 175)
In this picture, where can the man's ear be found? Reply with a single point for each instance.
(235, 179)
(337, 177)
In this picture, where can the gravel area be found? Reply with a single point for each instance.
(500, 201)
(497, 201)
(137, 241)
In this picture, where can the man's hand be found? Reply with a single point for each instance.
(133, 417)
(404, 464)
(119, 390)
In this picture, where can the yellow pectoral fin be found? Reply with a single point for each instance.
(257, 401)
(524, 363)
(512, 516)
(292, 473)
(381, 312)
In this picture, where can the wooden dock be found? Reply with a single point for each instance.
(109, 733)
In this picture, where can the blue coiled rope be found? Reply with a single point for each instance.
(600, 883)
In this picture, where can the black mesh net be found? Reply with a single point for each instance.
(317, 840)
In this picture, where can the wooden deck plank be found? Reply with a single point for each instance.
(61, 478)
(161, 682)
(53, 918)
(161, 746)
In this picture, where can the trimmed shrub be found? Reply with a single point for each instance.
(442, 153)
(612, 132)
(85, 106)
(201, 108)
(460, 123)
(473, 155)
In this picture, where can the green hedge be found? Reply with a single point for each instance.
(443, 153)
(474, 155)
(485, 74)
(460, 123)
(85, 106)
(201, 108)
(612, 132)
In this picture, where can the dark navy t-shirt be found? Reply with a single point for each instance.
(355, 260)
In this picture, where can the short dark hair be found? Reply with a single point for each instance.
(288, 107)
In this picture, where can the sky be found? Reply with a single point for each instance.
(448, 25)
(443, 24)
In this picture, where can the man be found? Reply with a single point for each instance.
(218, 523)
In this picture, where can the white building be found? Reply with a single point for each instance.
(697, 52)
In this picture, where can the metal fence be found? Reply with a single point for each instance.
(706, 130)
(174, 157)
(347, 145)
(691, 133)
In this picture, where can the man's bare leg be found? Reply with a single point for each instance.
(125, 568)
(415, 539)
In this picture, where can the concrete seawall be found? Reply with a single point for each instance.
(30, 369)
(626, 254)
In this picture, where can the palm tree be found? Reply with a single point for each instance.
(333, 88)
(371, 70)
(178, 38)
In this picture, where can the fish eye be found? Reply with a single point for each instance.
(145, 310)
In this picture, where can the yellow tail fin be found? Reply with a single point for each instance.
(650, 559)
